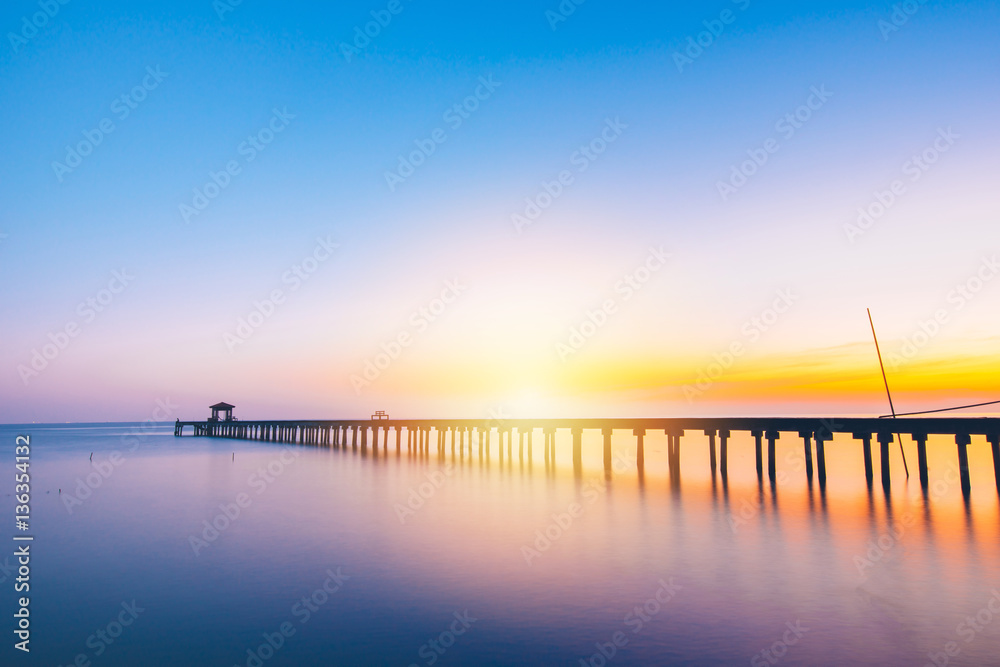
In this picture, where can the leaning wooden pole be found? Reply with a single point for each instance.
(885, 380)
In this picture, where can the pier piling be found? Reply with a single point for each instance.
(772, 437)
(884, 440)
(994, 440)
(921, 440)
(760, 456)
(963, 441)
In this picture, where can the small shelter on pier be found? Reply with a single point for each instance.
(222, 407)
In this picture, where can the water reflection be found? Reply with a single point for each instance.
(877, 575)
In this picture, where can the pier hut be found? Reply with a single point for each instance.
(224, 408)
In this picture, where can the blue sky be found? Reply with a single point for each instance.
(324, 174)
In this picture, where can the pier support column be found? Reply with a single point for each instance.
(807, 450)
(866, 441)
(884, 440)
(921, 440)
(760, 456)
(674, 453)
(724, 454)
(607, 449)
(671, 440)
(640, 454)
(821, 438)
(364, 440)
(531, 437)
(520, 444)
(577, 450)
(772, 437)
(711, 451)
(994, 439)
(963, 440)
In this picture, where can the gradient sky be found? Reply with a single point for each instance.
(892, 94)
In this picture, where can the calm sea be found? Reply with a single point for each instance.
(194, 551)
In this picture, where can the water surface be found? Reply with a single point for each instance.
(399, 560)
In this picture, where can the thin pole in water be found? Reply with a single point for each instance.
(886, 381)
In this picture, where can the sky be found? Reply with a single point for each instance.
(541, 209)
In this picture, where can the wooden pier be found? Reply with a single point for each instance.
(814, 432)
